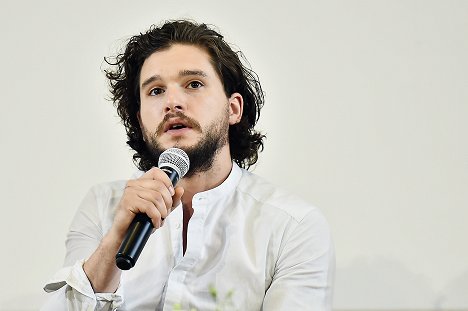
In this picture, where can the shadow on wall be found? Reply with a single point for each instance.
(383, 283)
(455, 294)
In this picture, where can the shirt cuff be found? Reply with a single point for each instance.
(75, 277)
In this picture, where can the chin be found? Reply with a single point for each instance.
(183, 144)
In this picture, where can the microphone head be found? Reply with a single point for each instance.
(176, 159)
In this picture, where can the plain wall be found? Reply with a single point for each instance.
(366, 117)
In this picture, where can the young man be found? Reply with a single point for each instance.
(229, 239)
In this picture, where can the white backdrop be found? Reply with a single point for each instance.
(366, 116)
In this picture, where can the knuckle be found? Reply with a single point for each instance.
(130, 183)
(154, 172)
(159, 197)
(148, 206)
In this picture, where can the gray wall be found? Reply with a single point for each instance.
(368, 98)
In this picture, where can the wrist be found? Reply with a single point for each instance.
(100, 268)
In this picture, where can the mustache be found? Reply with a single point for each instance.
(180, 115)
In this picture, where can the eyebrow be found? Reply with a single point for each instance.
(150, 80)
(182, 73)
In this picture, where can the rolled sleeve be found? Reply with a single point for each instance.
(73, 291)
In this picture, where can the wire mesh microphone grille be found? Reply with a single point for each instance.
(175, 158)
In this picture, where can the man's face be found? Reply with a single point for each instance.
(183, 104)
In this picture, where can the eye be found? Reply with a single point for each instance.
(156, 91)
(195, 85)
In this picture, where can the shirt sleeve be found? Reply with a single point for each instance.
(70, 288)
(303, 278)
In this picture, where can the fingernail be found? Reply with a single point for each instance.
(171, 190)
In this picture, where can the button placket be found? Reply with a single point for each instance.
(195, 234)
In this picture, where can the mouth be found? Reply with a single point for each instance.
(175, 125)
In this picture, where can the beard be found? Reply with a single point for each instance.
(203, 153)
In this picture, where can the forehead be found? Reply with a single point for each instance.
(176, 58)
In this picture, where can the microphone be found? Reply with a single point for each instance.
(175, 163)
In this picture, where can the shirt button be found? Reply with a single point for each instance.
(178, 225)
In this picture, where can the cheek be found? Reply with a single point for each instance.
(149, 113)
(217, 114)
(149, 124)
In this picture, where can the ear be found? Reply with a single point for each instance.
(236, 106)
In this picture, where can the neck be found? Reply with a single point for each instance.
(203, 181)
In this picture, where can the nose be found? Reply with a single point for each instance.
(175, 100)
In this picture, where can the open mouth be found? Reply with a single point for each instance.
(176, 124)
(177, 127)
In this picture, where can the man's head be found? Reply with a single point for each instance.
(141, 77)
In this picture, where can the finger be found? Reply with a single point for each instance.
(150, 210)
(157, 174)
(177, 197)
(149, 184)
(160, 199)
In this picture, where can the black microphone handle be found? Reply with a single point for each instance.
(138, 233)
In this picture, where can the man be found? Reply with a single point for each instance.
(223, 237)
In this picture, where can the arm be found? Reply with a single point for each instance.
(303, 278)
(90, 279)
(70, 288)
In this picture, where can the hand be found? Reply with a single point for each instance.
(151, 194)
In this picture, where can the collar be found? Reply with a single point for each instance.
(227, 186)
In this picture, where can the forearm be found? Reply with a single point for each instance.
(71, 290)
(100, 268)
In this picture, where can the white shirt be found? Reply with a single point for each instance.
(258, 247)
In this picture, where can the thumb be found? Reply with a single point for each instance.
(178, 193)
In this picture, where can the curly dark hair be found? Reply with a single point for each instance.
(124, 74)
